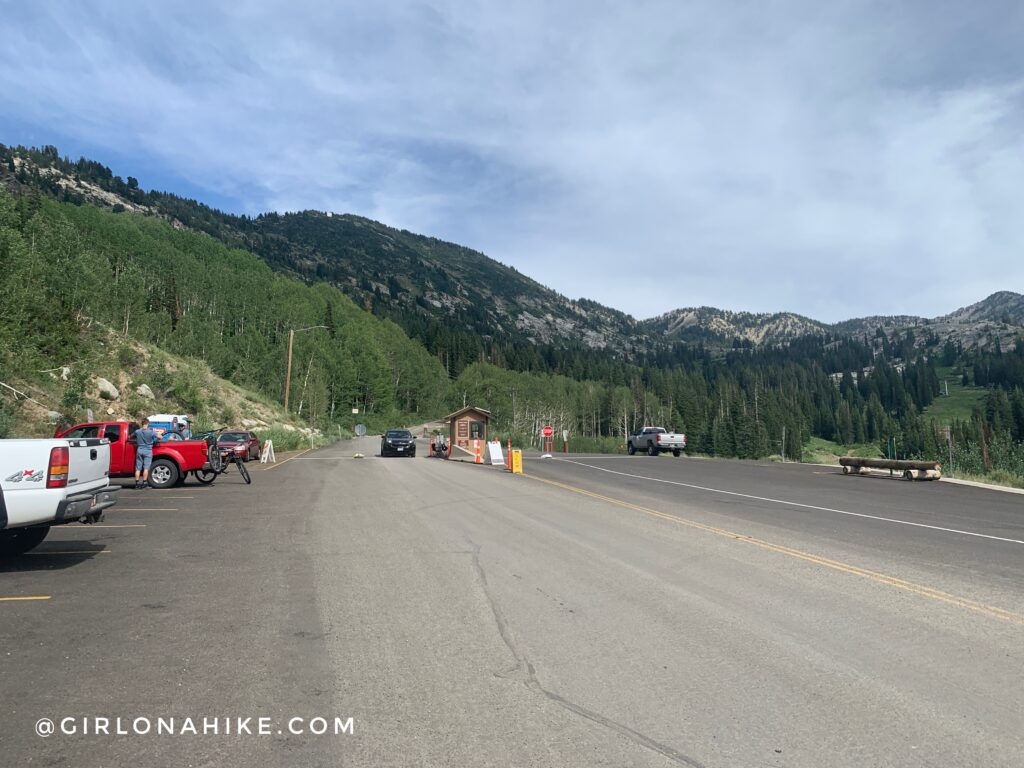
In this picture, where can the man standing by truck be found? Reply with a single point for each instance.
(144, 440)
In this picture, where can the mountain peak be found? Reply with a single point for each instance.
(1001, 307)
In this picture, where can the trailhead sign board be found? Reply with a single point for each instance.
(494, 453)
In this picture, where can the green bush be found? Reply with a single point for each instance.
(7, 413)
(73, 401)
(139, 407)
(1004, 455)
(285, 440)
(128, 356)
(189, 389)
(159, 379)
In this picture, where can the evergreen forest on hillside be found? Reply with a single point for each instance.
(203, 294)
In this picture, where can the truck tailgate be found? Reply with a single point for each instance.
(88, 464)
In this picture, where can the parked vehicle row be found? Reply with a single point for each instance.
(66, 479)
(173, 459)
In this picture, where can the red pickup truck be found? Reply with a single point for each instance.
(172, 459)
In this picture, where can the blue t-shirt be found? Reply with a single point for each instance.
(144, 439)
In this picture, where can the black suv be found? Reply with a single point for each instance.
(398, 442)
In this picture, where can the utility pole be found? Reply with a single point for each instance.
(783, 443)
(288, 376)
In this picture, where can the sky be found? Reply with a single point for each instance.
(833, 159)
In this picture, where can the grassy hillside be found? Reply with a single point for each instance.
(959, 404)
(145, 380)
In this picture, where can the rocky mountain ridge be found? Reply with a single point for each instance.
(433, 287)
(1000, 316)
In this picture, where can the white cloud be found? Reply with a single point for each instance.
(836, 159)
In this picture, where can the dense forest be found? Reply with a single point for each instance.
(67, 267)
(738, 404)
(205, 294)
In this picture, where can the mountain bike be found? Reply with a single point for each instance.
(219, 459)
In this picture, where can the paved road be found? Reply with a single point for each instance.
(465, 617)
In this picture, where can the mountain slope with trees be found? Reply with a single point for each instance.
(68, 268)
(456, 301)
(460, 304)
(226, 290)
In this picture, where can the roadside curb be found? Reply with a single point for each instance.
(975, 484)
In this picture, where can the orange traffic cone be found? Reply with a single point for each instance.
(478, 457)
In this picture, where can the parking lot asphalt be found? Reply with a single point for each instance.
(189, 602)
(679, 613)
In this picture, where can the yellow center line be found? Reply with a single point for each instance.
(23, 599)
(290, 458)
(881, 578)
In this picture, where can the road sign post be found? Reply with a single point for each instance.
(949, 443)
(548, 432)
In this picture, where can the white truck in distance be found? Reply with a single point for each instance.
(50, 482)
(655, 440)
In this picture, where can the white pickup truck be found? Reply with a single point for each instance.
(50, 482)
(655, 440)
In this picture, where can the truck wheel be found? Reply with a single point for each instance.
(630, 449)
(21, 540)
(676, 452)
(163, 474)
(651, 450)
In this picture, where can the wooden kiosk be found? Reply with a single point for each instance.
(467, 432)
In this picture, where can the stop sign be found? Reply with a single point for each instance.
(548, 431)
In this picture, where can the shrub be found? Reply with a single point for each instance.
(73, 400)
(7, 412)
(139, 407)
(189, 389)
(283, 439)
(160, 380)
(128, 356)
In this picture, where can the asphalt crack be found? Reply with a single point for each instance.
(528, 675)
